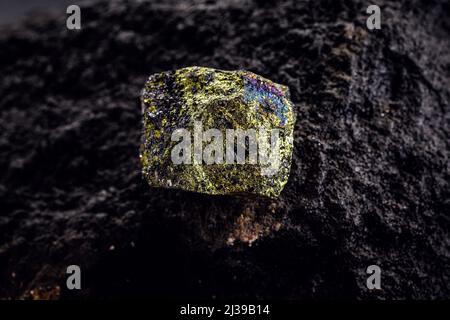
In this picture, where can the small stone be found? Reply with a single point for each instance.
(216, 132)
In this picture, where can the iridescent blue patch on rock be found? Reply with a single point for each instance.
(268, 96)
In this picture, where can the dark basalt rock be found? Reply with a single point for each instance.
(369, 182)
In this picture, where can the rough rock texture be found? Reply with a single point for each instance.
(216, 132)
(369, 182)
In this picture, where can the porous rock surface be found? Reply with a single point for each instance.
(369, 183)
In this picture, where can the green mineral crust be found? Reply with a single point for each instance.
(216, 132)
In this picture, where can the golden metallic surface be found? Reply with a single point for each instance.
(221, 100)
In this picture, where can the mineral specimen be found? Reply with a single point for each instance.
(216, 132)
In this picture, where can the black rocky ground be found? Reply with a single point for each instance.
(370, 181)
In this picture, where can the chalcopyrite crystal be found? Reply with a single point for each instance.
(216, 132)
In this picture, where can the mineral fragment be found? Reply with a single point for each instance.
(216, 132)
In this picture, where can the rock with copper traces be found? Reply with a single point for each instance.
(216, 132)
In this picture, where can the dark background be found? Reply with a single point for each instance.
(13, 11)
(369, 182)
